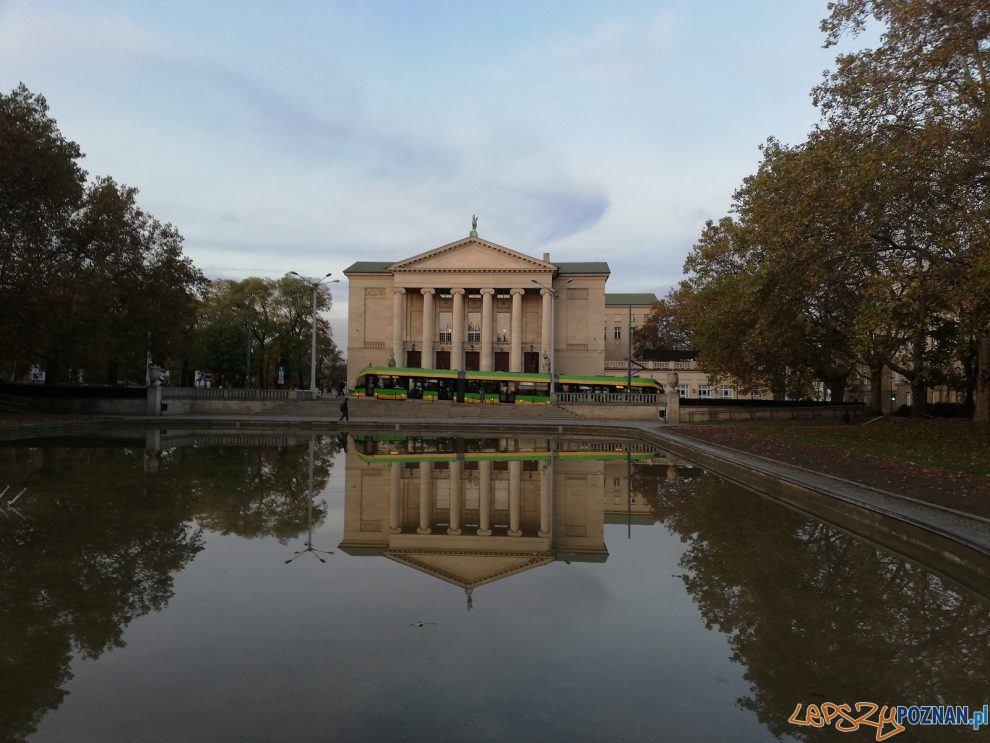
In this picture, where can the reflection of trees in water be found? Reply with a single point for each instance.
(817, 616)
(102, 539)
(253, 492)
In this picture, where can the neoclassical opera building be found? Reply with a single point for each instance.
(476, 305)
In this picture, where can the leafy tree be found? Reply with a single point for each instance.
(667, 326)
(88, 280)
(41, 185)
(276, 314)
(925, 93)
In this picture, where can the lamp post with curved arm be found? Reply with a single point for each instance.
(315, 285)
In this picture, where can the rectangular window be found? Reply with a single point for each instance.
(704, 390)
(474, 327)
(617, 332)
(502, 320)
(444, 323)
(725, 392)
(682, 390)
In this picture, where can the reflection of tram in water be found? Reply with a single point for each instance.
(386, 448)
(520, 388)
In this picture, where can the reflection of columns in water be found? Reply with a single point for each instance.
(395, 499)
(425, 497)
(671, 473)
(546, 495)
(515, 497)
(456, 498)
(485, 499)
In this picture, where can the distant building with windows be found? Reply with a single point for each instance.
(476, 305)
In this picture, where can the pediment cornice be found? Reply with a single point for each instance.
(478, 569)
(443, 259)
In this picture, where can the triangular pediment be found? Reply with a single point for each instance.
(472, 254)
(469, 570)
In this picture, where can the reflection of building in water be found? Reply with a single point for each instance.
(475, 511)
(630, 494)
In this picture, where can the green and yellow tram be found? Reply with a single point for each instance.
(488, 387)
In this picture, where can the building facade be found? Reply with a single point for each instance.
(476, 305)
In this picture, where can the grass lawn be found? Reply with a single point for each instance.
(940, 443)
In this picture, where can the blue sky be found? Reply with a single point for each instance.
(303, 136)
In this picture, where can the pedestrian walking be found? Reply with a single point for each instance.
(343, 411)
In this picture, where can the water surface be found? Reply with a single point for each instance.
(185, 586)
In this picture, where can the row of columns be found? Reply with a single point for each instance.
(458, 336)
(485, 500)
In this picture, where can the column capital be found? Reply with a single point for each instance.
(424, 292)
(456, 291)
(398, 290)
(517, 291)
(544, 292)
(487, 291)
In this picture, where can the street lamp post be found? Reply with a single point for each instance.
(315, 284)
(552, 362)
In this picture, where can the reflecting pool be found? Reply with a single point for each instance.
(210, 585)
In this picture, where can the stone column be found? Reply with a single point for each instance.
(515, 350)
(485, 499)
(425, 497)
(428, 361)
(487, 326)
(456, 496)
(395, 498)
(398, 325)
(546, 328)
(546, 497)
(515, 497)
(457, 336)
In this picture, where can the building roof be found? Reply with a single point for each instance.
(624, 300)
(368, 267)
(562, 268)
(593, 267)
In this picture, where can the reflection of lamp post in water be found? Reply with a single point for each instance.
(309, 516)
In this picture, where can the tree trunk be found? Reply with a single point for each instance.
(837, 390)
(982, 411)
(919, 388)
(919, 396)
(876, 391)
